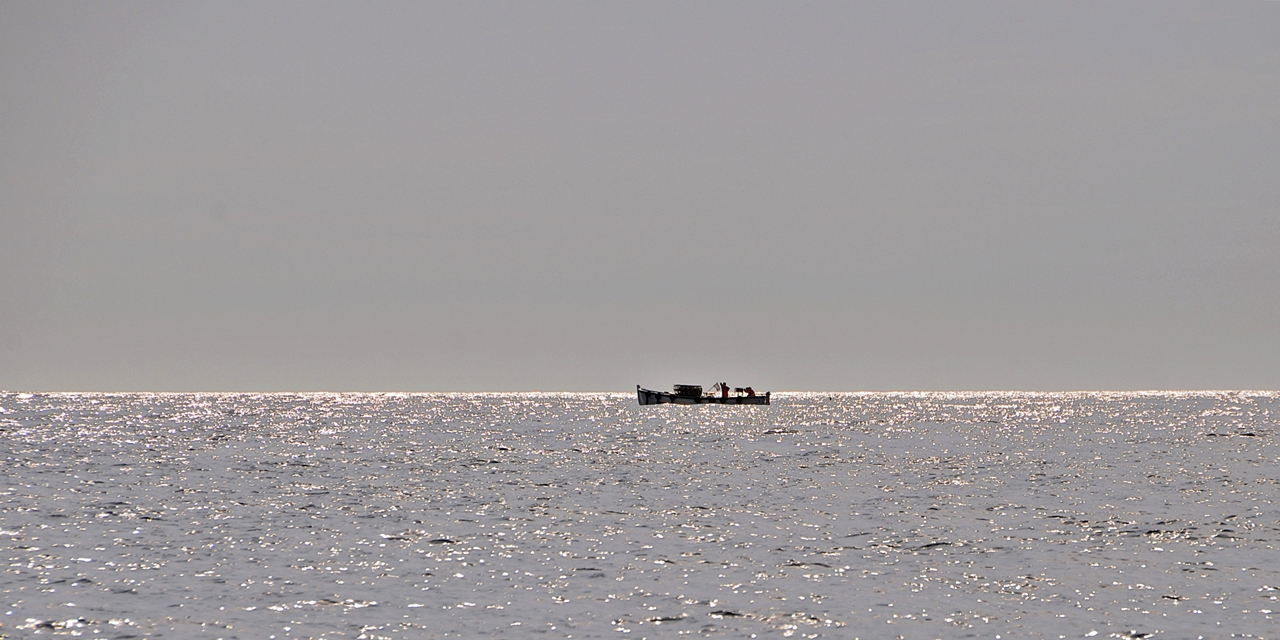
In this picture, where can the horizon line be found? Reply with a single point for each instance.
(600, 392)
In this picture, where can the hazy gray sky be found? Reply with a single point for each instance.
(591, 195)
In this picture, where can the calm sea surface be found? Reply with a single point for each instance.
(917, 515)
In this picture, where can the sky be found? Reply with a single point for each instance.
(561, 196)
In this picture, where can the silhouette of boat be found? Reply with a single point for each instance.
(692, 394)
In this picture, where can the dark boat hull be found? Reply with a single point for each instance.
(647, 396)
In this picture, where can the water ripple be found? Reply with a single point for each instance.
(584, 515)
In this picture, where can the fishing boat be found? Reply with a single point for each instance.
(721, 393)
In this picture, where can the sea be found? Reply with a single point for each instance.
(583, 515)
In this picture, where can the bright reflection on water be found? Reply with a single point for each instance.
(586, 516)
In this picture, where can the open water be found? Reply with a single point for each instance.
(912, 515)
